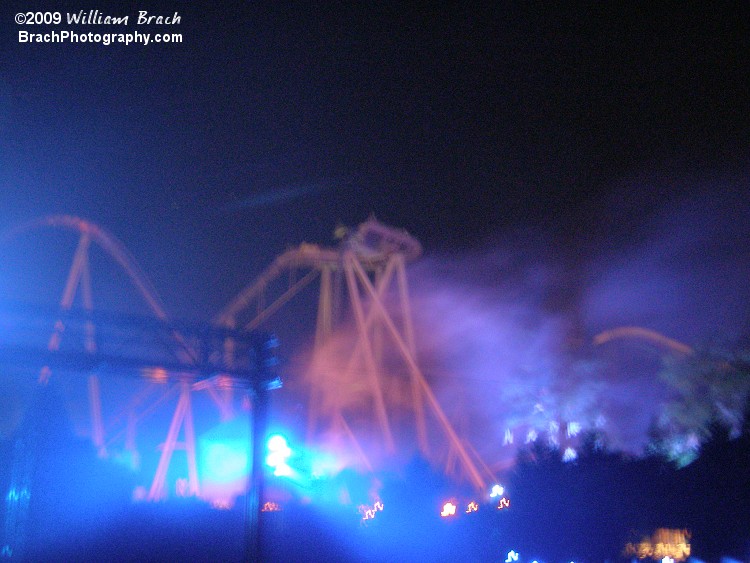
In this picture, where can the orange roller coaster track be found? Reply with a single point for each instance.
(643, 334)
(79, 277)
(369, 262)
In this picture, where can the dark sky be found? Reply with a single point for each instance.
(459, 124)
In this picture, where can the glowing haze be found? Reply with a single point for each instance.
(505, 337)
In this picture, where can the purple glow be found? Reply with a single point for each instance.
(505, 339)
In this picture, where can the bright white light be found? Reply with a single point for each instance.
(574, 428)
(531, 436)
(512, 556)
(570, 455)
(497, 490)
(277, 443)
(278, 454)
(667, 559)
(369, 512)
(282, 470)
(449, 509)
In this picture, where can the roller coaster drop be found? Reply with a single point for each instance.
(370, 263)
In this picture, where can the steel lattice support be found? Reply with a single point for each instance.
(131, 347)
(182, 418)
(78, 284)
(371, 263)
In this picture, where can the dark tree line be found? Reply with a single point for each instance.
(592, 507)
(586, 510)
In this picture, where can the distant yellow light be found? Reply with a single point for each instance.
(664, 543)
(473, 507)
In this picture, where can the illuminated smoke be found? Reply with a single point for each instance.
(512, 362)
(499, 361)
(505, 335)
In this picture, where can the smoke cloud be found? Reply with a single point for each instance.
(505, 335)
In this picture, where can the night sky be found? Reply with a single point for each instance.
(588, 133)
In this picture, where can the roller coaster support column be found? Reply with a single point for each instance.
(260, 386)
(254, 500)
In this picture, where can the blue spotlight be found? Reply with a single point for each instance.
(224, 453)
(225, 462)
